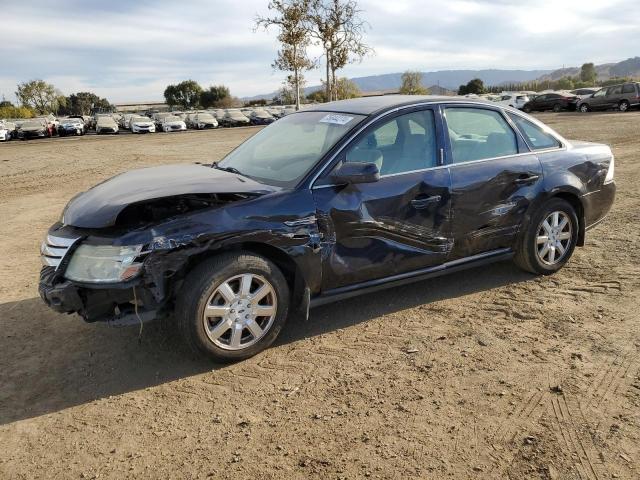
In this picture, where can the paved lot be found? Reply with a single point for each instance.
(511, 375)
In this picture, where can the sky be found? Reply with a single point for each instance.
(128, 51)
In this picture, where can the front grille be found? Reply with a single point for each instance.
(53, 250)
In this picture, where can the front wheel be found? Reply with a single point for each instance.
(557, 108)
(549, 239)
(527, 109)
(232, 306)
(584, 108)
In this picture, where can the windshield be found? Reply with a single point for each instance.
(172, 118)
(32, 124)
(140, 119)
(285, 151)
(205, 116)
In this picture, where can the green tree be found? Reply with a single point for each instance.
(83, 103)
(346, 88)
(185, 94)
(412, 84)
(15, 112)
(588, 73)
(475, 86)
(318, 96)
(5, 103)
(38, 95)
(213, 95)
(565, 83)
(291, 18)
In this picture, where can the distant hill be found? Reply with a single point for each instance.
(626, 68)
(451, 79)
(447, 79)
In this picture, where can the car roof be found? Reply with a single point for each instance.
(371, 105)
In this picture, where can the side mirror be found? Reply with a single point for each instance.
(356, 172)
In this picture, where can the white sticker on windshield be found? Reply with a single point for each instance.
(336, 119)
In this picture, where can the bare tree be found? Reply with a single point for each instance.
(292, 18)
(338, 28)
(412, 84)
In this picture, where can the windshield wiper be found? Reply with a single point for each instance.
(227, 169)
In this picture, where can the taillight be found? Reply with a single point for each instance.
(609, 177)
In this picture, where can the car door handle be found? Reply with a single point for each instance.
(527, 179)
(424, 202)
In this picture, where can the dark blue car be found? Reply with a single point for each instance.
(334, 201)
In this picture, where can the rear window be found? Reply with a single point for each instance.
(537, 138)
(477, 134)
(629, 88)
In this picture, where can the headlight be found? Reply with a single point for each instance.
(104, 263)
(609, 177)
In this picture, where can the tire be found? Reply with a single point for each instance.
(202, 288)
(526, 109)
(623, 106)
(528, 255)
(584, 108)
(557, 108)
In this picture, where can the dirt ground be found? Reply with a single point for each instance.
(489, 373)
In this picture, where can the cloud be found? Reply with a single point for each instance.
(129, 51)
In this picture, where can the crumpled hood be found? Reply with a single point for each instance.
(99, 206)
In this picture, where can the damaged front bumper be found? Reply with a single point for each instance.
(124, 303)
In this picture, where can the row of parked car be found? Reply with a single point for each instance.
(145, 122)
(621, 97)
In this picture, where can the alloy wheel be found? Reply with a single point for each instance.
(554, 238)
(240, 311)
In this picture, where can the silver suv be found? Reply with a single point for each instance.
(621, 97)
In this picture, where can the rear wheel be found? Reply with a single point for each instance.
(550, 238)
(557, 108)
(233, 306)
(526, 109)
(623, 106)
(584, 108)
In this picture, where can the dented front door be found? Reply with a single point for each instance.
(399, 224)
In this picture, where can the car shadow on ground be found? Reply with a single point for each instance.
(51, 361)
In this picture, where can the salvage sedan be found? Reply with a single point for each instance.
(335, 201)
(172, 123)
(141, 124)
(5, 132)
(71, 126)
(106, 124)
(35, 128)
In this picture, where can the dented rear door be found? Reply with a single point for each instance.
(494, 179)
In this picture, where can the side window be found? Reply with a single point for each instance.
(538, 138)
(600, 93)
(403, 144)
(615, 90)
(477, 133)
(387, 134)
(628, 88)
